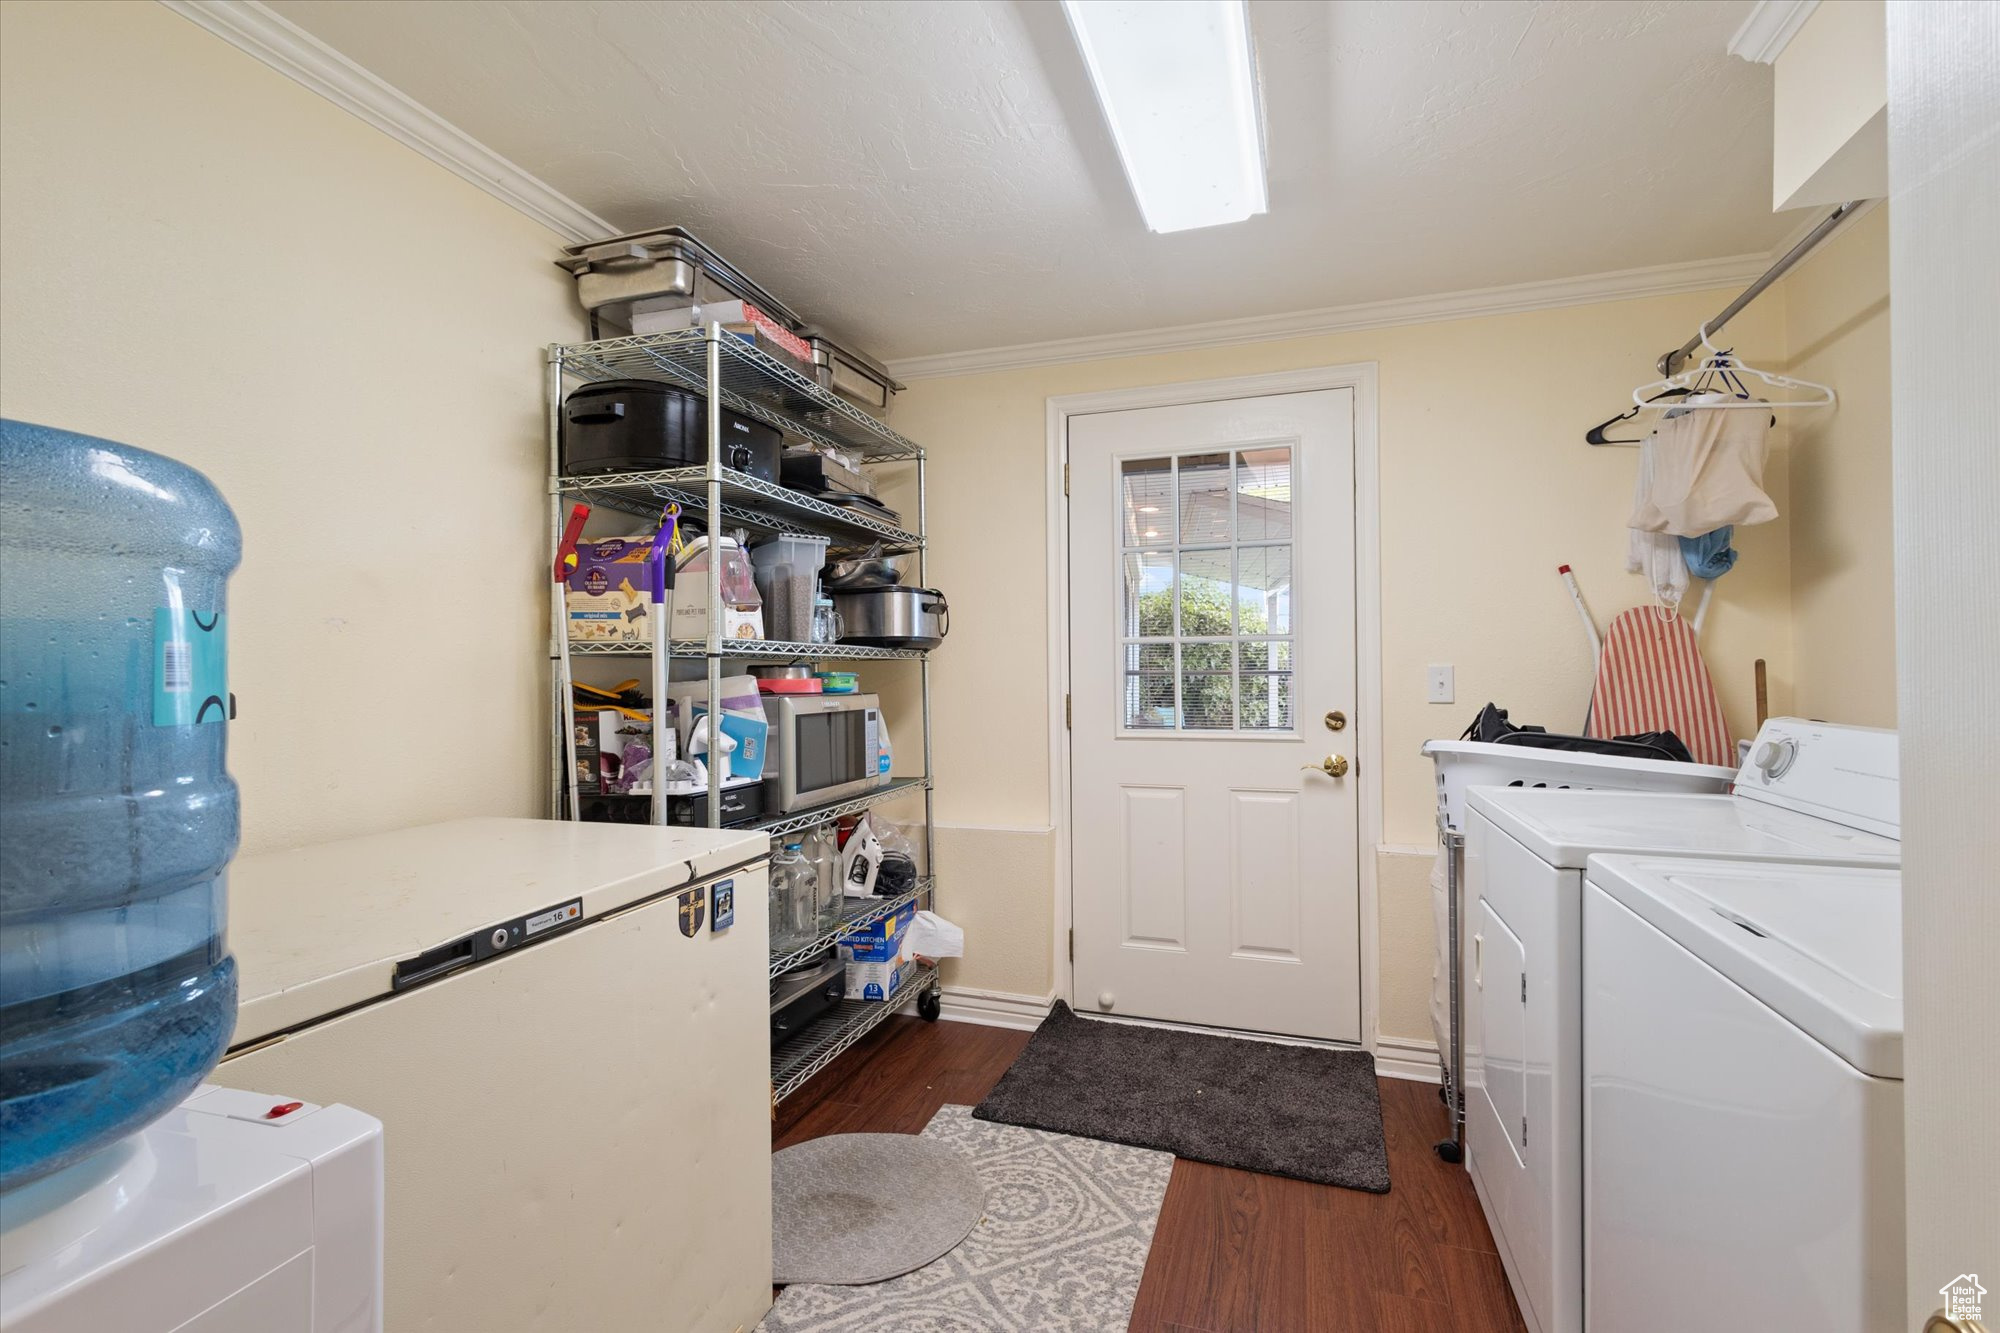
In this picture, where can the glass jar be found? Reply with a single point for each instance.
(826, 626)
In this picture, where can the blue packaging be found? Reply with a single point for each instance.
(880, 941)
(750, 734)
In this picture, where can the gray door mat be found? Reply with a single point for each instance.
(1302, 1111)
(1061, 1247)
(861, 1208)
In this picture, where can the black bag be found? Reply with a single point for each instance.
(1492, 725)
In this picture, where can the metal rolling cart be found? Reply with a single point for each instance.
(1451, 846)
(739, 378)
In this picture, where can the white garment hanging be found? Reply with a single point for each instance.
(1703, 470)
(1657, 555)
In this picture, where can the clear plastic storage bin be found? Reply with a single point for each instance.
(788, 577)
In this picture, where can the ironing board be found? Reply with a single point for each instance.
(1650, 677)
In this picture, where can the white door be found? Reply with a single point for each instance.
(1211, 647)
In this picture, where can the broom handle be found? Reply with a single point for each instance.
(1590, 632)
(1583, 613)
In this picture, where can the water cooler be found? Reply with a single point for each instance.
(133, 1197)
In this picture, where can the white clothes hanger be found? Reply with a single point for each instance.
(1728, 367)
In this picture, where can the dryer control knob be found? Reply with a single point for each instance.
(1774, 757)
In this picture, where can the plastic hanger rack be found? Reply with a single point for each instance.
(1672, 362)
(1724, 369)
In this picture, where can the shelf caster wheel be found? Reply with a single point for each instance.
(1450, 1150)
(929, 1005)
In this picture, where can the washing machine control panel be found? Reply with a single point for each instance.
(1846, 774)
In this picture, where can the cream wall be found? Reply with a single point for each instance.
(1486, 486)
(1829, 104)
(202, 258)
(347, 339)
(1843, 574)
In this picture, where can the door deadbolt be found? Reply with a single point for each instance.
(1334, 766)
(1336, 720)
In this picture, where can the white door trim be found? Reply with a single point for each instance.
(1361, 378)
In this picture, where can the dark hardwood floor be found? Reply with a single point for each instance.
(1235, 1251)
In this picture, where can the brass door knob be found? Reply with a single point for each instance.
(1334, 766)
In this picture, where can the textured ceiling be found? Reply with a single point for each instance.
(936, 177)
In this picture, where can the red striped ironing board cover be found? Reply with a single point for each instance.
(1651, 678)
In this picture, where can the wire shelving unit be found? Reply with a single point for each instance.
(860, 914)
(751, 650)
(737, 377)
(822, 1041)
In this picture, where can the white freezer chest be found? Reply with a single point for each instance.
(571, 1070)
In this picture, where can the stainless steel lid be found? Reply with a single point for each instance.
(825, 348)
(641, 249)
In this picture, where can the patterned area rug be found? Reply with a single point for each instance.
(1060, 1250)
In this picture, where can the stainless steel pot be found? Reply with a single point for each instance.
(893, 617)
(871, 571)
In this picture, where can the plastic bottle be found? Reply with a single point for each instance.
(780, 912)
(794, 893)
(823, 851)
(117, 992)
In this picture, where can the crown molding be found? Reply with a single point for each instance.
(302, 57)
(1626, 284)
(1769, 28)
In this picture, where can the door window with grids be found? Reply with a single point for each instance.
(1206, 568)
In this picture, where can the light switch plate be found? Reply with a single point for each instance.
(1439, 681)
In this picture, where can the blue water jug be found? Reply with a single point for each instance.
(117, 992)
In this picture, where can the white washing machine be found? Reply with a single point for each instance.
(1743, 1105)
(1810, 793)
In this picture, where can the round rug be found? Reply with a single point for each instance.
(850, 1209)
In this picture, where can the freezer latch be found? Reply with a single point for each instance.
(483, 944)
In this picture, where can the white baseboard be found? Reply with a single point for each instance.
(1403, 1057)
(995, 1009)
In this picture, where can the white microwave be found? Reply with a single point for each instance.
(822, 748)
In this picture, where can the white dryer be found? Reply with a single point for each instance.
(1743, 1112)
(1810, 793)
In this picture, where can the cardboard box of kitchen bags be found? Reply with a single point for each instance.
(878, 956)
(879, 981)
(880, 941)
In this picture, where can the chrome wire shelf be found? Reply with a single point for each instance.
(858, 917)
(823, 1040)
(753, 383)
(821, 814)
(747, 502)
(731, 374)
(771, 650)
